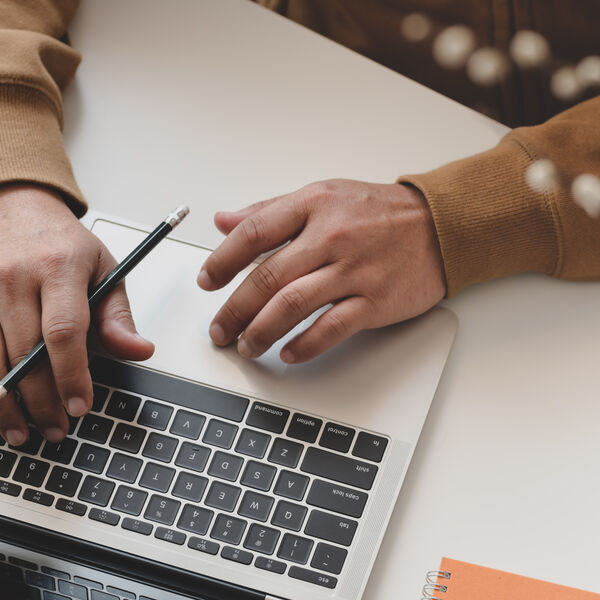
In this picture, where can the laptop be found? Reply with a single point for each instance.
(202, 475)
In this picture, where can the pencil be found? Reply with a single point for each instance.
(10, 381)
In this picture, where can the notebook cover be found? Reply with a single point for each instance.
(472, 582)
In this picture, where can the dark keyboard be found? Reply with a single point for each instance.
(205, 469)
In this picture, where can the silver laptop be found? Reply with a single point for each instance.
(200, 474)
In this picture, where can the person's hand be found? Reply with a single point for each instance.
(48, 260)
(370, 250)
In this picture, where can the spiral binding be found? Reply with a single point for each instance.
(431, 588)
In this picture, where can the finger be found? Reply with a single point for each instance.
(226, 221)
(12, 422)
(116, 328)
(65, 322)
(289, 307)
(21, 327)
(261, 231)
(334, 326)
(286, 265)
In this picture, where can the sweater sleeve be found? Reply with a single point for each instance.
(35, 66)
(491, 224)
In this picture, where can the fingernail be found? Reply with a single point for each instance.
(15, 437)
(204, 280)
(217, 334)
(54, 434)
(287, 356)
(76, 407)
(244, 348)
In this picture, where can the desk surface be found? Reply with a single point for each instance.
(220, 103)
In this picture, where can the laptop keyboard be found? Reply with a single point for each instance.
(199, 467)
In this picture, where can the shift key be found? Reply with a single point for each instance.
(339, 468)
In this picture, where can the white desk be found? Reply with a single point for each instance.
(506, 473)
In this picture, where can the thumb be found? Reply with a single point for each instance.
(227, 221)
(115, 326)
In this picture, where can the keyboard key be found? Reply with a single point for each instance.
(32, 445)
(285, 452)
(160, 447)
(337, 437)
(237, 555)
(258, 475)
(328, 558)
(63, 481)
(312, 577)
(91, 458)
(294, 548)
(99, 595)
(228, 529)
(62, 452)
(38, 497)
(56, 573)
(261, 539)
(289, 515)
(73, 590)
(332, 528)
(10, 489)
(73, 422)
(123, 406)
(33, 593)
(129, 500)
(291, 485)
(162, 510)
(100, 396)
(369, 446)
(96, 491)
(256, 506)
(189, 487)
(40, 580)
(170, 535)
(127, 438)
(69, 506)
(269, 564)
(339, 468)
(337, 498)
(170, 389)
(156, 477)
(222, 496)
(155, 415)
(219, 433)
(192, 456)
(225, 466)
(187, 424)
(203, 545)
(270, 418)
(7, 460)
(88, 583)
(304, 428)
(31, 471)
(195, 519)
(95, 428)
(137, 526)
(252, 443)
(120, 593)
(103, 516)
(124, 467)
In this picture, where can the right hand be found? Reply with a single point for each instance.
(48, 260)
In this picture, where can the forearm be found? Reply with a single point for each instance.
(34, 68)
(491, 224)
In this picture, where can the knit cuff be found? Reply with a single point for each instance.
(489, 223)
(31, 145)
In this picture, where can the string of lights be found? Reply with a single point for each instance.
(455, 47)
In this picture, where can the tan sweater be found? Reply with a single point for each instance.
(488, 221)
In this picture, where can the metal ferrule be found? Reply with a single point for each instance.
(174, 218)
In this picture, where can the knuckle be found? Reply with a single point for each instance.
(56, 260)
(335, 326)
(293, 301)
(254, 230)
(256, 338)
(121, 313)
(266, 278)
(233, 315)
(62, 329)
(9, 277)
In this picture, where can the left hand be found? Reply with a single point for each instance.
(370, 250)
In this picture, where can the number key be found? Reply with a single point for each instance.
(31, 471)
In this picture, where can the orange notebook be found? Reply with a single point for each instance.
(458, 580)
